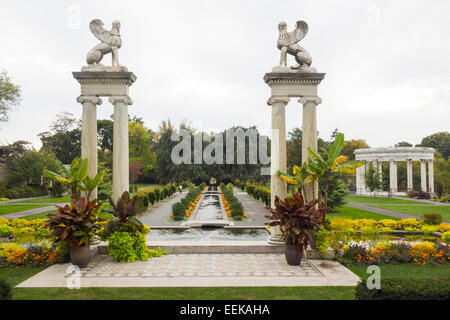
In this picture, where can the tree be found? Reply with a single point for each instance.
(140, 147)
(9, 96)
(442, 176)
(105, 133)
(294, 148)
(64, 137)
(440, 141)
(351, 145)
(373, 180)
(403, 144)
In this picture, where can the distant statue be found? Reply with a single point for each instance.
(110, 43)
(288, 44)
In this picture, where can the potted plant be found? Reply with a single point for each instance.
(296, 218)
(75, 225)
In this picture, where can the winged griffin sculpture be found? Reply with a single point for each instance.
(288, 44)
(110, 43)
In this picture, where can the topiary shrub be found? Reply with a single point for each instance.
(178, 211)
(432, 218)
(5, 290)
(405, 289)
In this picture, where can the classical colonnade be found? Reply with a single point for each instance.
(114, 85)
(393, 155)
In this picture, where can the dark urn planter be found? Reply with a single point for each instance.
(80, 256)
(293, 256)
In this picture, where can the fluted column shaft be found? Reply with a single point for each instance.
(393, 176)
(430, 176)
(89, 134)
(423, 176)
(120, 145)
(309, 137)
(409, 174)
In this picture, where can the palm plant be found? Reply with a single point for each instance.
(316, 166)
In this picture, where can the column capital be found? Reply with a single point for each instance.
(278, 99)
(305, 99)
(123, 99)
(92, 99)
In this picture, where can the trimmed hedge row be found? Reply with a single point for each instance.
(21, 192)
(154, 195)
(405, 289)
(259, 193)
(179, 208)
(235, 206)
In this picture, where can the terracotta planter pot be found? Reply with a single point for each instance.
(293, 257)
(80, 256)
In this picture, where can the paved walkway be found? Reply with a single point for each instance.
(27, 213)
(198, 270)
(390, 213)
(254, 209)
(159, 213)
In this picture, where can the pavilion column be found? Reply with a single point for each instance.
(423, 176)
(430, 176)
(380, 169)
(278, 186)
(89, 134)
(409, 175)
(120, 145)
(393, 176)
(309, 137)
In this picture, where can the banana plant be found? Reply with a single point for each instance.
(126, 209)
(316, 166)
(76, 178)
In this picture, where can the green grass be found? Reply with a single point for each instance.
(16, 275)
(407, 271)
(364, 199)
(62, 199)
(11, 208)
(419, 210)
(43, 215)
(355, 213)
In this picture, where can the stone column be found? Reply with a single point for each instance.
(120, 145)
(430, 176)
(423, 176)
(277, 155)
(393, 176)
(89, 134)
(309, 137)
(380, 169)
(409, 175)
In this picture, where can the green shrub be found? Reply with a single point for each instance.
(152, 196)
(128, 247)
(432, 218)
(158, 194)
(405, 289)
(445, 198)
(446, 237)
(5, 290)
(178, 210)
(5, 231)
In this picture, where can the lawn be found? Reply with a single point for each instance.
(62, 199)
(11, 208)
(43, 215)
(419, 210)
(364, 199)
(17, 275)
(407, 271)
(355, 213)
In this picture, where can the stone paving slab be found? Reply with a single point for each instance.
(199, 270)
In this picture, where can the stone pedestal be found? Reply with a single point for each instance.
(284, 86)
(114, 84)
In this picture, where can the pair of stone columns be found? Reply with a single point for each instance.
(278, 142)
(120, 140)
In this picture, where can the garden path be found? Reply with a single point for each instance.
(382, 211)
(158, 214)
(254, 209)
(198, 270)
(26, 213)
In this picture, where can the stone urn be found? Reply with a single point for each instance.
(293, 256)
(80, 256)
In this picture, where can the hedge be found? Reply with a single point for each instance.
(405, 289)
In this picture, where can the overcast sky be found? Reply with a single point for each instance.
(387, 63)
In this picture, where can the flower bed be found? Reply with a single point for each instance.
(233, 206)
(183, 209)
